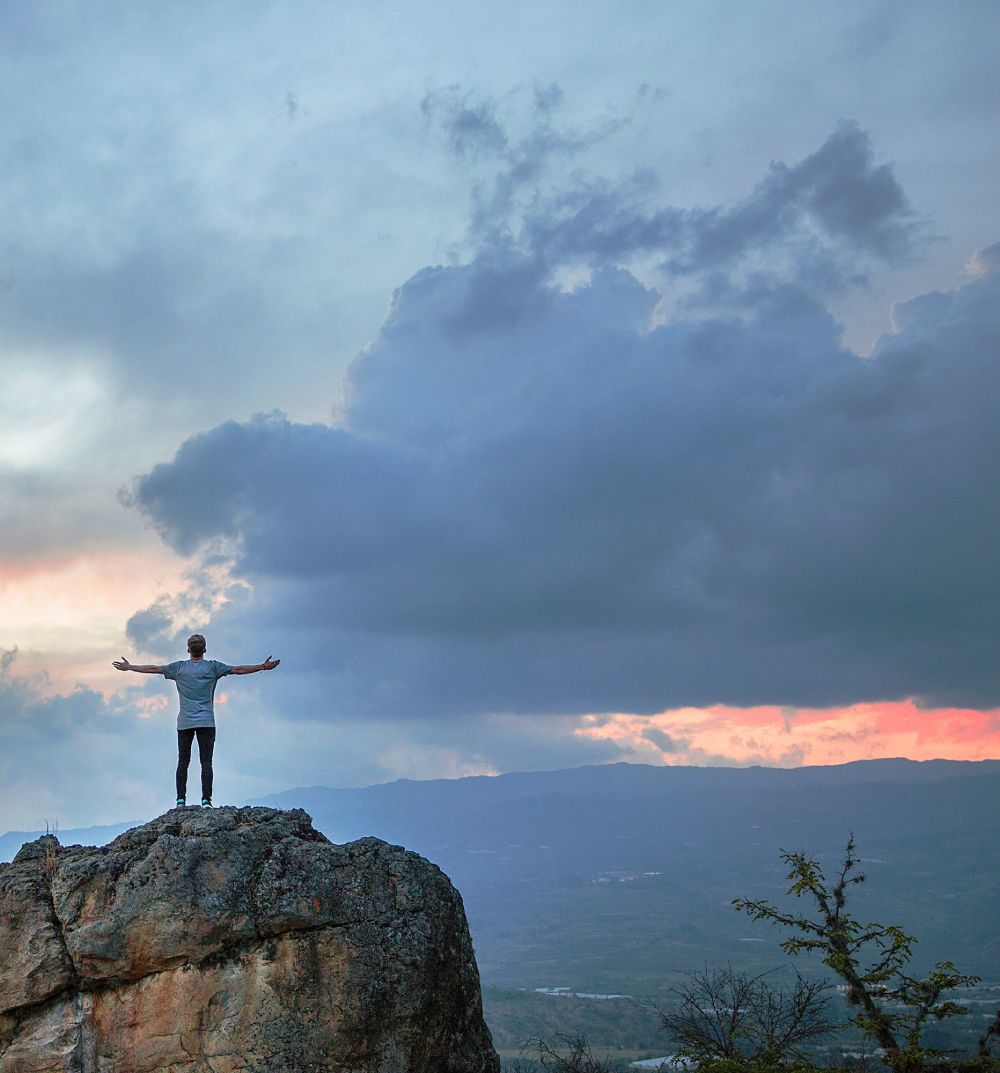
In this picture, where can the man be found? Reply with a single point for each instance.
(196, 679)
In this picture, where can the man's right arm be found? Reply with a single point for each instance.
(143, 668)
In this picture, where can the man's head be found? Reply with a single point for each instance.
(196, 645)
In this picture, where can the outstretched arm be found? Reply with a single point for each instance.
(143, 668)
(252, 668)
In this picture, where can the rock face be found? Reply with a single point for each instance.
(235, 939)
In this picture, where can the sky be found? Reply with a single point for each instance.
(542, 384)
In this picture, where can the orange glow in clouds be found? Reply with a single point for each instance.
(66, 617)
(789, 737)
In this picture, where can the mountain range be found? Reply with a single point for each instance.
(617, 878)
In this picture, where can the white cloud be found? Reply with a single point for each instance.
(40, 413)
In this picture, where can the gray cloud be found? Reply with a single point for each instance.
(665, 742)
(44, 514)
(539, 501)
(172, 228)
(523, 157)
(831, 215)
(471, 124)
(839, 189)
(67, 755)
(151, 628)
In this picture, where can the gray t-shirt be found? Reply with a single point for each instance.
(196, 679)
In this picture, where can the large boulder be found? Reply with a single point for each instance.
(235, 939)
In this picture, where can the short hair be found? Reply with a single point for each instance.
(196, 640)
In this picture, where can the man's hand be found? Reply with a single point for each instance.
(143, 668)
(254, 668)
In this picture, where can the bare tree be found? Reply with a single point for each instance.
(893, 1008)
(728, 1014)
(560, 1054)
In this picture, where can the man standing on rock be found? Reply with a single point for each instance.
(196, 679)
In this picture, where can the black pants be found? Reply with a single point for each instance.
(206, 747)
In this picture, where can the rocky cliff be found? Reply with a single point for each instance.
(235, 939)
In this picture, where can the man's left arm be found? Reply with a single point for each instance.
(252, 668)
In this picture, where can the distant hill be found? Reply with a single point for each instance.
(12, 841)
(615, 878)
(618, 877)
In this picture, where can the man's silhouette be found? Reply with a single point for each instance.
(196, 679)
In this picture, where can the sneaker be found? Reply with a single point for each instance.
(181, 802)
(206, 802)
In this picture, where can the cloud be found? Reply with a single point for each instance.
(722, 736)
(150, 628)
(985, 261)
(839, 189)
(471, 124)
(550, 500)
(525, 147)
(665, 742)
(829, 217)
(184, 229)
(69, 755)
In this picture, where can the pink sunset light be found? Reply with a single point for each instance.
(790, 737)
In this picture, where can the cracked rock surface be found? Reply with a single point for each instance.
(235, 940)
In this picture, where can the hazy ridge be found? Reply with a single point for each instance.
(615, 878)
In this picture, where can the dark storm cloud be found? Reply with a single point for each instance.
(542, 501)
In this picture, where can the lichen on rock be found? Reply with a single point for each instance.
(235, 939)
